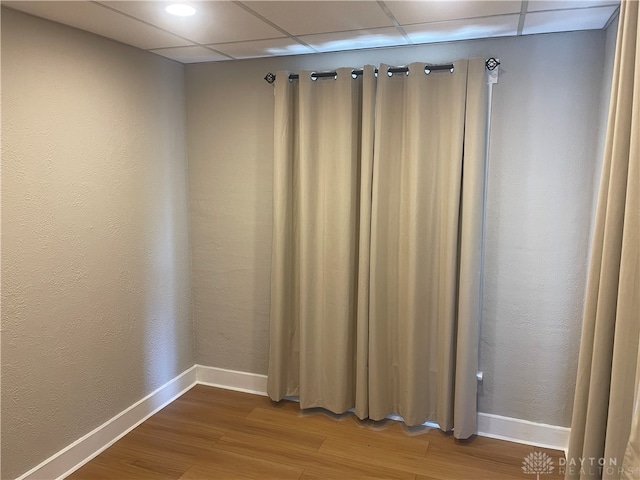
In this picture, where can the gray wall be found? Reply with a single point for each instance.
(542, 165)
(605, 97)
(95, 242)
(95, 261)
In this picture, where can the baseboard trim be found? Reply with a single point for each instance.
(489, 425)
(232, 380)
(72, 457)
(523, 431)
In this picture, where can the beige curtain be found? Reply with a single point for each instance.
(323, 136)
(376, 256)
(605, 415)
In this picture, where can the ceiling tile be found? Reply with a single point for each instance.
(412, 12)
(194, 54)
(563, 21)
(355, 40)
(214, 22)
(537, 5)
(501, 26)
(263, 48)
(95, 18)
(230, 27)
(309, 17)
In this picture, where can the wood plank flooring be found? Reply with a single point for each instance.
(209, 433)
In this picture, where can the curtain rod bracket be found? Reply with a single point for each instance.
(493, 71)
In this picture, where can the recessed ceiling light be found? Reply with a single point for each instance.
(181, 10)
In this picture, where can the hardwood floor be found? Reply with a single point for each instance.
(210, 433)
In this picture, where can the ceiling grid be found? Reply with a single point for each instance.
(229, 30)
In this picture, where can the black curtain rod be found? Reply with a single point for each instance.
(491, 64)
(357, 73)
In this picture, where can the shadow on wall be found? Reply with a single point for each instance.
(167, 297)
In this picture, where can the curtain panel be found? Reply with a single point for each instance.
(376, 260)
(605, 427)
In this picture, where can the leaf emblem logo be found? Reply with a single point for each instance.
(537, 463)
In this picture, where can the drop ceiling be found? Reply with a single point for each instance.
(230, 30)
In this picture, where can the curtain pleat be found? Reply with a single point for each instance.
(631, 461)
(284, 354)
(364, 242)
(607, 384)
(471, 244)
(378, 188)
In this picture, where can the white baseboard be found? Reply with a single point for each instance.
(69, 459)
(232, 380)
(72, 457)
(523, 431)
(493, 426)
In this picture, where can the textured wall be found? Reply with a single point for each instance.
(95, 262)
(544, 139)
(543, 162)
(605, 98)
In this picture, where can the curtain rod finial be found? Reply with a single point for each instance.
(270, 77)
(492, 63)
